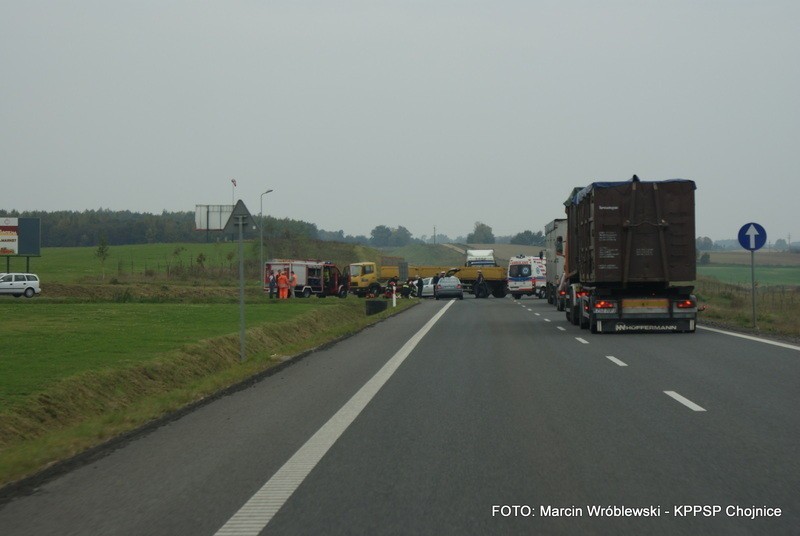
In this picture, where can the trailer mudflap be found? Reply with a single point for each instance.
(666, 325)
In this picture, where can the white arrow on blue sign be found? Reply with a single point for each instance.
(752, 236)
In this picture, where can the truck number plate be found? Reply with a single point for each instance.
(646, 304)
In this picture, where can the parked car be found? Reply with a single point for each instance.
(18, 284)
(449, 287)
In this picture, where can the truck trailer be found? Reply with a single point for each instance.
(368, 278)
(626, 243)
(555, 239)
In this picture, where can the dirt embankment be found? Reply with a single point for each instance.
(142, 292)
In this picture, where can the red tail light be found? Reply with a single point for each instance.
(686, 304)
(562, 292)
(581, 293)
(604, 304)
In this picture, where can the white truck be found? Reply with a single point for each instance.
(555, 237)
(322, 278)
(480, 257)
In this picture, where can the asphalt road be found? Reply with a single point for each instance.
(500, 408)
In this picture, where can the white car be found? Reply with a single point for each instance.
(18, 284)
(427, 287)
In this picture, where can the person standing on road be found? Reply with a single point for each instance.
(480, 286)
(292, 284)
(420, 284)
(436, 279)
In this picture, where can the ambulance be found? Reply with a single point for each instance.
(526, 276)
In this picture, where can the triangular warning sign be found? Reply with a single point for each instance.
(239, 216)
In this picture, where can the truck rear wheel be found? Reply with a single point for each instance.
(307, 293)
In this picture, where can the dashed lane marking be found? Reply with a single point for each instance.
(685, 401)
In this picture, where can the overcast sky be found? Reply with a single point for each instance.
(414, 113)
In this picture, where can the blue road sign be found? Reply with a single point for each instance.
(752, 236)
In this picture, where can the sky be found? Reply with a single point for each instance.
(423, 114)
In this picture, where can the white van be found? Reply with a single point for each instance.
(526, 276)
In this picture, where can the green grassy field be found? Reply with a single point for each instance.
(739, 274)
(46, 342)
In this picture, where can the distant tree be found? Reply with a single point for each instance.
(705, 259)
(400, 237)
(103, 252)
(781, 245)
(381, 236)
(528, 238)
(704, 243)
(481, 235)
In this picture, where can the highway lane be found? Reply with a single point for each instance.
(495, 406)
(520, 413)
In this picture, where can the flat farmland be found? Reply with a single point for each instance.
(762, 258)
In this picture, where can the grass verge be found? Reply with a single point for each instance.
(88, 408)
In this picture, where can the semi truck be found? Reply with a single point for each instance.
(480, 257)
(369, 278)
(627, 242)
(314, 277)
(555, 234)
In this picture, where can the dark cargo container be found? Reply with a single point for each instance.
(632, 233)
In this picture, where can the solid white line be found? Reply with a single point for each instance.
(751, 338)
(685, 401)
(562, 329)
(547, 320)
(617, 361)
(584, 341)
(259, 510)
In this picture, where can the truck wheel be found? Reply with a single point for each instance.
(307, 293)
(374, 289)
(592, 324)
(498, 293)
(517, 296)
(343, 293)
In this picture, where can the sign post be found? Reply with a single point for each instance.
(752, 237)
(239, 219)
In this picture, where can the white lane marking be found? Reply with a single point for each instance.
(751, 338)
(617, 361)
(584, 341)
(259, 510)
(529, 309)
(537, 314)
(547, 320)
(685, 401)
(561, 329)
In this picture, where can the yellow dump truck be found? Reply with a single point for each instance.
(371, 278)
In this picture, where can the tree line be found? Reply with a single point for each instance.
(92, 227)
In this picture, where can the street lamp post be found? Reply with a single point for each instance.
(261, 235)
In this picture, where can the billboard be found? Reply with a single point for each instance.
(211, 217)
(20, 237)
